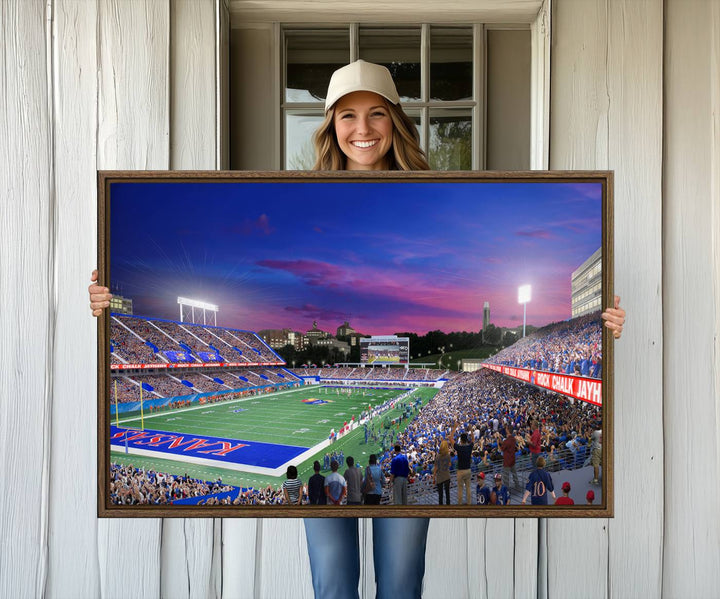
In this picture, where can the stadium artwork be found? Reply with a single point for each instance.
(268, 327)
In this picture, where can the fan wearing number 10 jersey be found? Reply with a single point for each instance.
(539, 485)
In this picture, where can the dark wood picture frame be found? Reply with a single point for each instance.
(106, 181)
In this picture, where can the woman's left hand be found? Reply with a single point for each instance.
(615, 318)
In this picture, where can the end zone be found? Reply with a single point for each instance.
(254, 457)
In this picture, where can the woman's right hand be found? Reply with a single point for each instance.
(99, 296)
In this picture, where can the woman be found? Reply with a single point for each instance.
(365, 129)
(441, 472)
(292, 487)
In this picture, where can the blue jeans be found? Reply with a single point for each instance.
(398, 551)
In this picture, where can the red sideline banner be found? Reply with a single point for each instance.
(186, 365)
(577, 387)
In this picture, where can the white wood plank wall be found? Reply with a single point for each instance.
(73, 540)
(690, 298)
(133, 133)
(606, 112)
(117, 84)
(27, 316)
(189, 566)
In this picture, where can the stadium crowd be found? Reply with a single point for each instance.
(134, 486)
(374, 373)
(482, 404)
(138, 340)
(129, 348)
(171, 385)
(570, 347)
(488, 408)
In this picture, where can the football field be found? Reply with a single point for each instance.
(252, 440)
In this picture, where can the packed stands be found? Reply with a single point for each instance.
(264, 496)
(129, 346)
(171, 385)
(136, 486)
(138, 340)
(128, 390)
(569, 347)
(482, 404)
(374, 373)
(204, 383)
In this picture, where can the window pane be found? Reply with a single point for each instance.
(450, 145)
(299, 149)
(414, 115)
(311, 57)
(451, 56)
(399, 51)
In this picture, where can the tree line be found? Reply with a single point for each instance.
(431, 343)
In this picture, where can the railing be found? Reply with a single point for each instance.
(424, 492)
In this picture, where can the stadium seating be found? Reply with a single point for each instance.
(137, 486)
(475, 400)
(570, 347)
(137, 340)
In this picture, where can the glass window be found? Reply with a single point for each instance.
(310, 59)
(299, 149)
(451, 63)
(450, 147)
(399, 51)
(434, 69)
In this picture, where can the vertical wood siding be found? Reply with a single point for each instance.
(190, 568)
(692, 271)
(133, 132)
(27, 204)
(117, 84)
(607, 113)
(240, 558)
(577, 551)
(635, 87)
(72, 551)
(282, 566)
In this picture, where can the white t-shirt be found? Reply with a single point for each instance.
(335, 483)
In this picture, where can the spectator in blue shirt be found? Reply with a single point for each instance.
(483, 492)
(539, 485)
(399, 473)
(500, 494)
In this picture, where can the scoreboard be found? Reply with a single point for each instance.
(389, 349)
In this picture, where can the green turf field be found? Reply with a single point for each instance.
(281, 418)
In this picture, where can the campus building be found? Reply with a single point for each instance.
(586, 283)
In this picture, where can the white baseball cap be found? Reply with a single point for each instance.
(361, 76)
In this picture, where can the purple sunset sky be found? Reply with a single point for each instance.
(385, 256)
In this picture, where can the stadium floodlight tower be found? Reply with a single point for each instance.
(524, 293)
(186, 303)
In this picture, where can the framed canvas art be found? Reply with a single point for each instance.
(355, 344)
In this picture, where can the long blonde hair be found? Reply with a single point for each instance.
(444, 448)
(404, 155)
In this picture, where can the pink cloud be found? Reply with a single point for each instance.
(313, 312)
(313, 272)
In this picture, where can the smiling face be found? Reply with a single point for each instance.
(364, 130)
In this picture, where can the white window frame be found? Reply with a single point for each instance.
(539, 21)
